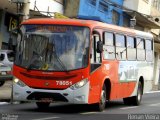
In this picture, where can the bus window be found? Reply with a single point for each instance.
(131, 49)
(120, 47)
(95, 56)
(140, 49)
(109, 48)
(149, 50)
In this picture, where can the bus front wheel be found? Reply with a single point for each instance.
(42, 105)
(102, 103)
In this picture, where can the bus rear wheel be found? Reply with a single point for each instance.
(42, 105)
(135, 100)
(102, 103)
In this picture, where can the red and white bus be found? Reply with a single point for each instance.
(81, 62)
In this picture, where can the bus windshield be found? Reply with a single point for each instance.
(52, 47)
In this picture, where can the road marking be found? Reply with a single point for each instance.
(86, 113)
(156, 104)
(49, 118)
(153, 91)
(125, 108)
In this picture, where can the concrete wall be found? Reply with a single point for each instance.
(4, 32)
(156, 32)
(155, 12)
(138, 5)
(157, 64)
(144, 7)
(71, 8)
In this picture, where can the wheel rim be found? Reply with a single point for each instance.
(103, 98)
(139, 96)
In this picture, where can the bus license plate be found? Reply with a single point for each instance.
(46, 100)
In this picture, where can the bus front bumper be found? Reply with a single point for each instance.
(25, 93)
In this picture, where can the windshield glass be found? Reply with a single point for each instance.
(52, 47)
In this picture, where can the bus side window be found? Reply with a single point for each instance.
(140, 49)
(131, 48)
(149, 50)
(95, 56)
(120, 47)
(109, 47)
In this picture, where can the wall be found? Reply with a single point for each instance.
(4, 33)
(156, 32)
(155, 12)
(144, 7)
(71, 8)
(138, 5)
(45, 5)
(131, 4)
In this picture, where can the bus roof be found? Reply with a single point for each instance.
(89, 23)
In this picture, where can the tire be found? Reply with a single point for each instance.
(42, 105)
(102, 103)
(135, 100)
(127, 101)
(2, 83)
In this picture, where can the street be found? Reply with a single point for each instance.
(115, 110)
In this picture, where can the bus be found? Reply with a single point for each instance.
(81, 62)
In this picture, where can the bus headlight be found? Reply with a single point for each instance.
(19, 82)
(79, 84)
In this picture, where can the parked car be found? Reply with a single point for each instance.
(5, 73)
(7, 57)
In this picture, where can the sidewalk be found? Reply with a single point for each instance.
(5, 91)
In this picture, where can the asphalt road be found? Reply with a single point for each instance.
(115, 110)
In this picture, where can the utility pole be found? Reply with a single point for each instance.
(25, 10)
(22, 9)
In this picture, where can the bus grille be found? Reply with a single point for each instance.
(46, 95)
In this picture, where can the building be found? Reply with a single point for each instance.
(155, 12)
(102, 10)
(9, 19)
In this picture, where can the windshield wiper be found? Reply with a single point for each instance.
(61, 63)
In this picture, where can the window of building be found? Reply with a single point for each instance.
(103, 6)
(109, 48)
(115, 17)
(120, 47)
(92, 2)
(126, 21)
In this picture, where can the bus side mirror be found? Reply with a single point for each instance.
(99, 47)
